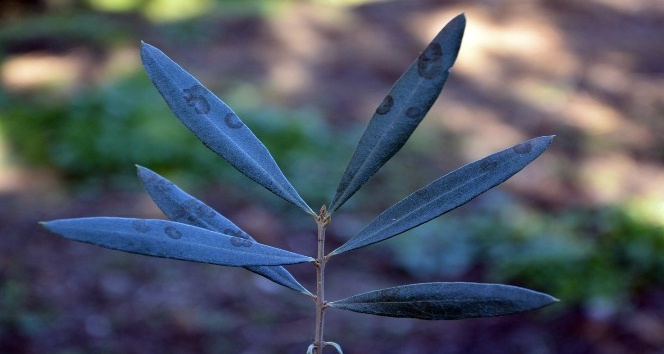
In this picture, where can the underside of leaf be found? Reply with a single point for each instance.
(181, 207)
(168, 239)
(216, 125)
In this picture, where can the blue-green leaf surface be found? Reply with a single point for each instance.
(448, 192)
(446, 301)
(168, 239)
(181, 207)
(216, 125)
(402, 110)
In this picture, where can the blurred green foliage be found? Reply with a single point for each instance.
(176, 10)
(18, 317)
(58, 32)
(99, 133)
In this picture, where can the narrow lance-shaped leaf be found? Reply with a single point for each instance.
(181, 207)
(168, 239)
(446, 301)
(216, 125)
(448, 192)
(402, 110)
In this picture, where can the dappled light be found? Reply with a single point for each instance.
(41, 71)
(526, 59)
(584, 222)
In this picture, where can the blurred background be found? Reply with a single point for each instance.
(585, 222)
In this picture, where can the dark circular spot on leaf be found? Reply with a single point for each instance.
(523, 148)
(233, 121)
(163, 186)
(239, 238)
(179, 214)
(386, 105)
(140, 226)
(172, 232)
(194, 206)
(204, 212)
(413, 112)
(428, 63)
(239, 241)
(488, 165)
(194, 97)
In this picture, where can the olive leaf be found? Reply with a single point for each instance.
(181, 207)
(168, 239)
(216, 125)
(402, 110)
(446, 301)
(448, 192)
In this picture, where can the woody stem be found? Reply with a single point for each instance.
(321, 220)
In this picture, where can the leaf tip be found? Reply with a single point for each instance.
(546, 300)
(50, 225)
(548, 139)
(143, 173)
(145, 45)
(458, 22)
(140, 168)
(147, 53)
(460, 18)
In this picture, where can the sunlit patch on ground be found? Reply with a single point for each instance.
(34, 71)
